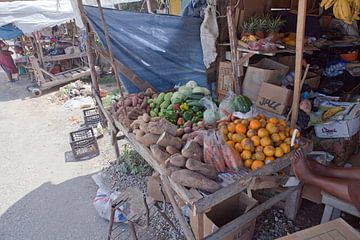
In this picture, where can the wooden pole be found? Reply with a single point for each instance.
(300, 35)
(90, 53)
(109, 46)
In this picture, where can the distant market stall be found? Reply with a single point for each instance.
(209, 144)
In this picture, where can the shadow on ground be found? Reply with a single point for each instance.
(35, 216)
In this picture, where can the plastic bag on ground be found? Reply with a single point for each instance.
(211, 114)
(226, 106)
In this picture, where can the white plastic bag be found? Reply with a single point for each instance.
(226, 106)
(102, 203)
(211, 114)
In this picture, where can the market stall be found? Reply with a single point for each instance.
(207, 154)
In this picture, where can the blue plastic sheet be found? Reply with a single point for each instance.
(163, 50)
(10, 32)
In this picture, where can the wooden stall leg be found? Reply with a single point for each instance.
(112, 214)
(292, 204)
(185, 227)
(132, 230)
(328, 210)
(197, 224)
(115, 144)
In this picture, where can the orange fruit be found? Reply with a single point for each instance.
(261, 116)
(282, 136)
(279, 152)
(296, 146)
(287, 131)
(275, 137)
(269, 160)
(231, 143)
(238, 137)
(246, 154)
(247, 144)
(223, 129)
(265, 141)
(263, 123)
(256, 140)
(272, 128)
(273, 120)
(256, 165)
(282, 123)
(259, 149)
(229, 135)
(245, 122)
(281, 128)
(237, 121)
(292, 131)
(285, 147)
(255, 124)
(259, 156)
(288, 141)
(238, 147)
(251, 132)
(262, 132)
(253, 157)
(269, 151)
(248, 163)
(240, 128)
(231, 127)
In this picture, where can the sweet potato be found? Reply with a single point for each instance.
(162, 126)
(171, 150)
(179, 132)
(188, 124)
(188, 178)
(148, 139)
(203, 168)
(144, 126)
(138, 134)
(177, 160)
(143, 103)
(159, 155)
(166, 139)
(170, 169)
(192, 150)
(127, 102)
(187, 130)
(146, 117)
(136, 124)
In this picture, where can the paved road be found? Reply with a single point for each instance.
(42, 196)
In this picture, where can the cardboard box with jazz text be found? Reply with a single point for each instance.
(274, 98)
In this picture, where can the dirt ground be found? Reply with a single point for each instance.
(42, 196)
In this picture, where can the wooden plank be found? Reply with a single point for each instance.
(293, 203)
(63, 57)
(249, 216)
(105, 113)
(141, 84)
(59, 80)
(183, 193)
(300, 36)
(197, 225)
(224, 193)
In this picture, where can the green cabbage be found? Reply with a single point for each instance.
(191, 84)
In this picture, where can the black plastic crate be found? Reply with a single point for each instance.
(92, 117)
(83, 143)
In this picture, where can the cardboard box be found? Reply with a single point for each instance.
(274, 98)
(226, 212)
(265, 70)
(226, 81)
(153, 189)
(345, 128)
(337, 229)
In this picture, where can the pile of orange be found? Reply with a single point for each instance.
(259, 140)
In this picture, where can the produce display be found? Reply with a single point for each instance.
(194, 139)
(346, 10)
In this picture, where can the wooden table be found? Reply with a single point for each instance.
(200, 204)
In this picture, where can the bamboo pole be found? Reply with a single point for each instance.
(300, 35)
(109, 46)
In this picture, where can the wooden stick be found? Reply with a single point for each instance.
(252, 214)
(300, 32)
(185, 226)
(301, 85)
(109, 46)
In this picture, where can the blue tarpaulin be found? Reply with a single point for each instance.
(10, 32)
(163, 50)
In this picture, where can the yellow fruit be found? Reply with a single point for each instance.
(238, 147)
(263, 123)
(237, 121)
(279, 152)
(223, 130)
(281, 128)
(240, 128)
(261, 116)
(248, 163)
(265, 141)
(259, 149)
(282, 136)
(231, 143)
(255, 124)
(231, 127)
(287, 132)
(251, 132)
(246, 154)
(273, 120)
(272, 128)
(285, 147)
(269, 160)
(275, 137)
(288, 141)
(230, 136)
(245, 122)
(282, 123)
(269, 151)
(262, 132)
(238, 137)
(259, 156)
(256, 165)
(256, 140)
(247, 144)
(253, 157)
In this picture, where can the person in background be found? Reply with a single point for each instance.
(6, 61)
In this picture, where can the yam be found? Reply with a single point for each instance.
(188, 178)
(162, 126)
(155, 119)
(170, 169)
(171, 150)
(179, 132)
(159, 155)
(149, 92)
(185, 137)
(139, 134)
(146, 117)
(192, 150)
(202, 168)
(143, 103)
(144, 126)
(127, 102)
(148, 139)
(136, 124)
(187, 130)
(166, 139)
(177, 160)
